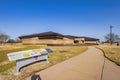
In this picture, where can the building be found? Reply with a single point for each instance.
(53, 38)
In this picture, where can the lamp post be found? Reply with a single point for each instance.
(111, 40)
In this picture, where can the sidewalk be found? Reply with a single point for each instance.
(86, 66)
(111, 71)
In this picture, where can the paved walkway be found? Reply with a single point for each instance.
(86, 66)
(111, 71)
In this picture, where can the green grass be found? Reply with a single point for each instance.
(112, 53)
(7, 66)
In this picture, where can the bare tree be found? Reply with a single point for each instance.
(17, 40)
(3, 37)
(112, 37)
(11, 41)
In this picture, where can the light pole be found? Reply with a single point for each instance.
(111, 40)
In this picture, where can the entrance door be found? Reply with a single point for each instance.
(76, 41)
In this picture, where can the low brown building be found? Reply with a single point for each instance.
(53, 38)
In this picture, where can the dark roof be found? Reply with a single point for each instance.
(89, 38)
(86, 38)
(44, 35)
(70, 36)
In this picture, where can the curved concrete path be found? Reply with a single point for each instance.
(86, 66)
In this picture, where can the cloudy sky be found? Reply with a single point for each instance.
(90, 18)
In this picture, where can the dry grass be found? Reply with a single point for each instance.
(9, 47)
(60, 53)
(112, 53)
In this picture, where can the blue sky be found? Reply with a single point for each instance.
(90, 18)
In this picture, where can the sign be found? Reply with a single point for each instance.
(27, 57)
(26, 54)
(36, 58)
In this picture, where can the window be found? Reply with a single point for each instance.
(76, 41)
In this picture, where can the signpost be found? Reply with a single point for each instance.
(24, 58)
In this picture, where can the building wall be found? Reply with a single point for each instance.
(91, 42)
(36, 40)
(81, 40)
(29, 40)
(68, 41)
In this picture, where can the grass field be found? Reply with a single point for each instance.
(60, 53)
(112, 53)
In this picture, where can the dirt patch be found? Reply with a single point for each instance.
(63, 51)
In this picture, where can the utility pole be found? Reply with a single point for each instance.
(111, 40)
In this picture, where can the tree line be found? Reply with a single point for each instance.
(4, 38)
(112, 37)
